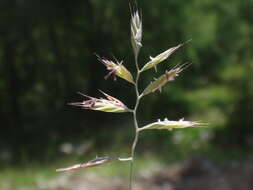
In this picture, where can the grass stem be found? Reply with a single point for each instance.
(138, 97)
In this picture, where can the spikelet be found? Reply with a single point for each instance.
(164, 79)
(110, 104)
(93, 163)
(136, 32)
(169, 125)
(116, 69)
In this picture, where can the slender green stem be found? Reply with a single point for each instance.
(135, 122)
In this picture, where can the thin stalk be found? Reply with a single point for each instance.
(135, 122)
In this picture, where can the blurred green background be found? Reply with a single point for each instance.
(47, 55)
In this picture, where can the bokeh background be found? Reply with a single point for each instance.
(47, 55)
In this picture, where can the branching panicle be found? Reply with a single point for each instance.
(111, 104)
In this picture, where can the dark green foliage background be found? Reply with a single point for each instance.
(47, 55)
